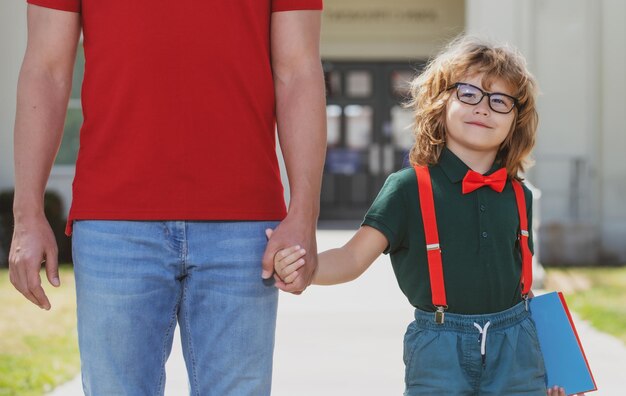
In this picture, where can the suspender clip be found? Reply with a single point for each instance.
(432, 246)
(525, 298)
(524, 233)
(440, 314)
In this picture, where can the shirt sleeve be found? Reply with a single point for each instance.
(63, 5)
(292, 5)
(388, 213)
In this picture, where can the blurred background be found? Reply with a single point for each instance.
(371, 49)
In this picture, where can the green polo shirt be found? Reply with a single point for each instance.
(477, 234)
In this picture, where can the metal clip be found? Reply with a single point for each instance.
(432, 246)
(525, 298)
(524, 233)
(439, 315)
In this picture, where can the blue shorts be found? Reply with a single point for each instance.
(491, 354)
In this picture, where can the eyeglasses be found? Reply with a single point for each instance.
(472, 95)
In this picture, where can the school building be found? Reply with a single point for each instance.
(371, 48)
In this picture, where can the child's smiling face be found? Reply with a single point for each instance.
(477, 128)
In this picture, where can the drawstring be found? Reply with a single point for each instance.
(483, 338)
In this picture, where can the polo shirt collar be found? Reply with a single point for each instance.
(455, 169)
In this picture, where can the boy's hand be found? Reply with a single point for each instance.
(558, 391)
(287, 261)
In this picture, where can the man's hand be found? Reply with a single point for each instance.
(292, 231)
(33, 243)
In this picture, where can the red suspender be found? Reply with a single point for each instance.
(527, 257)
(433, 250)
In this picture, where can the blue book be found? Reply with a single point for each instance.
(563, 354)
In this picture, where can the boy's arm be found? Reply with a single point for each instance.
(351, 260)
(335, 265)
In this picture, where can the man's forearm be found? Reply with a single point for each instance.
(301, 119)
(41, 107)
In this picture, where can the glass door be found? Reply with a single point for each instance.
(367, 133)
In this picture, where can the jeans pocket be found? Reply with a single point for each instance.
(534, 353)
(409, 344)
(416, 344)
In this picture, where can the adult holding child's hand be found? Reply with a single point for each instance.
(288, 233)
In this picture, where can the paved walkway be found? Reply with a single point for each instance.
(347, 340)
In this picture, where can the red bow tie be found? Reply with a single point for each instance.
(474, 180)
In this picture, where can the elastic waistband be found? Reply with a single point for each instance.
(465, 323)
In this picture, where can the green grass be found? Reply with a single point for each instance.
(38, 349)
(603, 303)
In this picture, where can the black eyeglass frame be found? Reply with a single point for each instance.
(487, 94)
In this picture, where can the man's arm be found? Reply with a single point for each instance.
(42, 95)
(301, 121)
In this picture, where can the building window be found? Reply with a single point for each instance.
(359, 126)
(359, 84)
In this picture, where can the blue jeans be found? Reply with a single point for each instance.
(492, 354)
(136, 279)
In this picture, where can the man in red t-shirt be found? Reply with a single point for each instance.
(176, 180)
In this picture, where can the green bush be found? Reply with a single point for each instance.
(53, 208)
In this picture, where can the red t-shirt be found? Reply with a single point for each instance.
(179, 110)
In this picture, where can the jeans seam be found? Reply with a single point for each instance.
(185, 249)
(167, 235)
(161, 386)
(192, 361)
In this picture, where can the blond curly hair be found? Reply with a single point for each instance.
(468, 55)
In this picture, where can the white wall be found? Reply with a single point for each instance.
(567, 66)
(613, 121)
(12, 46)
(504, 20)
(577, 51)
